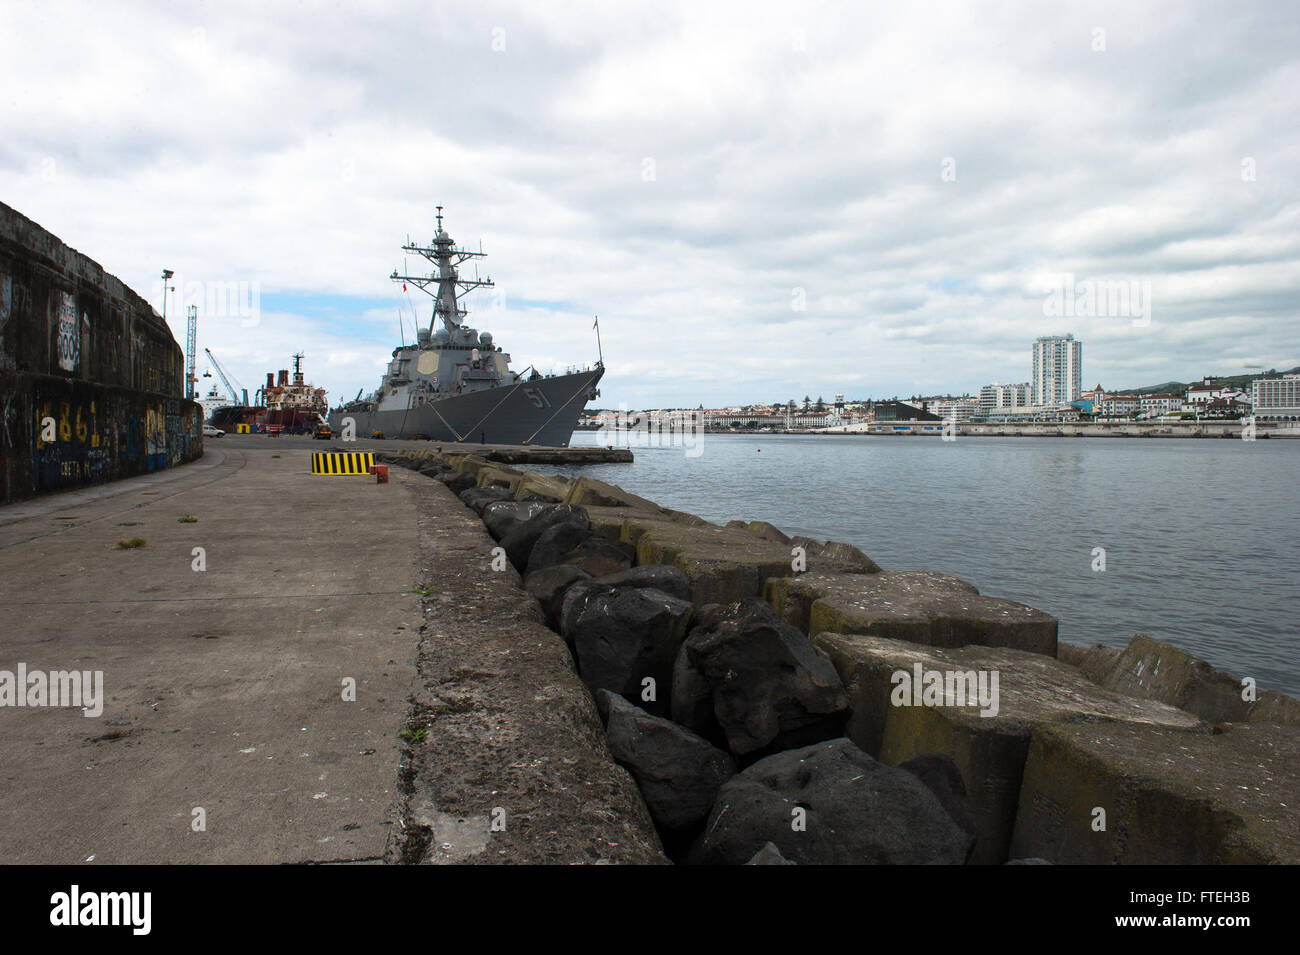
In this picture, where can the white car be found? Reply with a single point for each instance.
(209, 431)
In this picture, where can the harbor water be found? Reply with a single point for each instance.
(1199, 537)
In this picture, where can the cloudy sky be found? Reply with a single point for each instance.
(759, 201)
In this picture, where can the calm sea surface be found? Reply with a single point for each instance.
(1201, 536)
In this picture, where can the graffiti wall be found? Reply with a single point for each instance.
(90, 375)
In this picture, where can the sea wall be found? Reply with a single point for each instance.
(779, 699)
(91, 379)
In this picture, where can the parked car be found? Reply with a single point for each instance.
(211, 431)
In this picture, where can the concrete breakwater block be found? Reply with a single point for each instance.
(627, 524)
(494, 476)
(1274, 707)
(1095, 662)
(834, 557)
(763, 529)
(545, 486)
(916, 606)
(1169, 796)
(1152, 670)
(723, 564)
(1158, 671)
(469, 464)
(987, 738)
(589, 492)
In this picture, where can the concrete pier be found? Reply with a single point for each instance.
(227, 734)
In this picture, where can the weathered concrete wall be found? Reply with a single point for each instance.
(79, 347)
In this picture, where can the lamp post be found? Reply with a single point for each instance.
(166, 276)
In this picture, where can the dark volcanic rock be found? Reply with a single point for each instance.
(549, 585)
(769, 855)
(656, 576)
(457, 481)
(942, 777)
(659, 577)
(503, 517)
(601, 557)
(519, 541)
(555, 544)
(745, 677)
(477, 498)
(621, 636)
(856, 811)
(679, 773)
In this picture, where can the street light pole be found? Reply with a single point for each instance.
(166, 275)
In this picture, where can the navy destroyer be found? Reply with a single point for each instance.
(455, 384)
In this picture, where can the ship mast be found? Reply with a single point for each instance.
(445, 283)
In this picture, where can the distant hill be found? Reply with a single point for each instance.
(1179, 387)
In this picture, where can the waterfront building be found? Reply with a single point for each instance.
(901, 411)
(1118, 406)
(1057, 371)
(955, 409)
(1153, 406)
(998, 398)
(1209, 389)
(1276, 399)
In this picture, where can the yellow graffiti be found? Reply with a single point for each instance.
(65, 426)
(94, 427)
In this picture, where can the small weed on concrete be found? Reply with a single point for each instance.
(132, 543)
(187, 519)
(422, 590)
(414, 736)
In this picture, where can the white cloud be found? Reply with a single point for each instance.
(297, 147)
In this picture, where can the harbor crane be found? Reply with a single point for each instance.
(191, 336)
(225, 379)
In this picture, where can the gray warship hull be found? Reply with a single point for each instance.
(542, 411)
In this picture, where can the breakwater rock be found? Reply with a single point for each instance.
(781, 700)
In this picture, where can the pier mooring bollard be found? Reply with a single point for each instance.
(380, 471)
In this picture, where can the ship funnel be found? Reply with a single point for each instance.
(284, 377)
(270, 380)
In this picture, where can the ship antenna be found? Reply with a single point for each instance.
(440, 218)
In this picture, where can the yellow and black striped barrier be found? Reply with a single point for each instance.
(243, 429)
(342, 463)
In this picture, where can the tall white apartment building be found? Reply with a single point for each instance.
(1058, 371)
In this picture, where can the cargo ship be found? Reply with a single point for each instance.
(283, 405)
